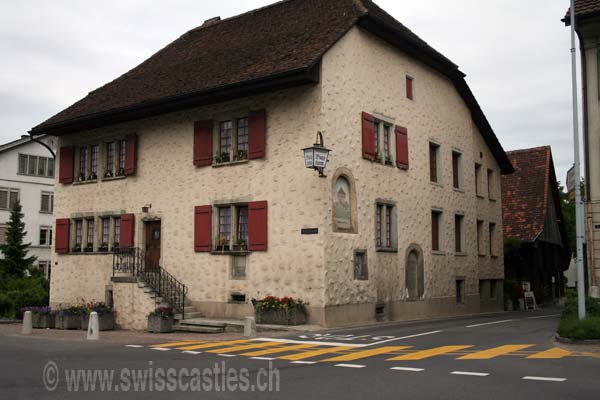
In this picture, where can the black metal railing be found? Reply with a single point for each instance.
(131, 260)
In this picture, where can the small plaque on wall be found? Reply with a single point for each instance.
(309, 231)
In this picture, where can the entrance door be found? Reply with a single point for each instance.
(152, 244)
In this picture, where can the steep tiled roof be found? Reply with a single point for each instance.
(583, 8)
(525, 193)
(277, 45)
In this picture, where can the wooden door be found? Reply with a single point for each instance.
(152, 252)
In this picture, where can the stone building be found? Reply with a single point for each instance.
(587, 26)
(195, 157)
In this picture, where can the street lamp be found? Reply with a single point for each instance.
(30, 137)
(317, 155)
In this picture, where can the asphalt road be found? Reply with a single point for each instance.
(484, 357)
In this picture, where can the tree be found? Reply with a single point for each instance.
(15, 261)
(568, 211)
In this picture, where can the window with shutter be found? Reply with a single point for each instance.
(257, 226)
(61, 245)
(368, 136)
(130, 154)
(401, 147)
(202, 228)
(66, 165)
(203, 147)
(257, 126)
(127, 230)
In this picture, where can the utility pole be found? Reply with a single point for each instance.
(580, 229)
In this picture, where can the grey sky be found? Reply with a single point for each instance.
(515, 54)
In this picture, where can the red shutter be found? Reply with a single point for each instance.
(257, 126)
(127, 229)
(202, 228)
(409, 88)
(401, 147)
(65, 174)
(130, 154)
(61, 241)
(257, 226)
(368, 136)
(203, 143)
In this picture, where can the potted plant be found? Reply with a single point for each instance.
(69, 318)
(81, 177)
(106, 315)
(388, 160)
(108, 173)
(161, 320)
(115, 246)
(280, 311)
(93, 176)
(121, 172)
(242, 155)
(89, 248)
(223, 244)
(103, 247)
(240, 245)
(76, 248)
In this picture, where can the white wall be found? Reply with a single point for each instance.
(30, 193)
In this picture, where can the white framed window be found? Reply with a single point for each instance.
(47, 202)
(33, 165)
(386, 230)
(45, 236)
(238, 267)
(8, 198)
(383, 141)
(231, 140)
(232, 227)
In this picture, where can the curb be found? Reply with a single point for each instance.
(563, 340)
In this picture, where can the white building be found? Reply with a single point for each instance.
(27, 173)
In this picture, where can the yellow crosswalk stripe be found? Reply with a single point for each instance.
(423, 354)
(254, 345)
(314, 353)
(357, 355)
(278, 350)
(175, 344)
(495, 352)
(212, 344)
(555, 352)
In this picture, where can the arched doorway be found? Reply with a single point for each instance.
(414, 279)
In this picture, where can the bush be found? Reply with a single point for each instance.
(7, 306)
(573, 328)
(570, 308)
(25, 292)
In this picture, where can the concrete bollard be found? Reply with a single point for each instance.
(93, 332)
(26, 323)
(249, 327)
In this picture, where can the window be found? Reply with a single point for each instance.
(122, 151)
(433, 162)
(90, 235)
(117, 233)
(110, 158)
(242, 136)
(47, 203)
(415, 283)
(232, 140)
(36, 166)
(224, 228)
(8, 198)
(83, 162)
(225, 133)
(78, 235)
(410, 87)
(45, 236)
(3, 234)
(232, 227)
(105, 231)
(458, 233)
(360, 265)
(480, 243)
(385, 225)
(460, 291)
(238, 267)
(457, 170)
(490, 184)
(478, 179)
(386, 142)
(95, 149)
(436, 217)
(376, 136)
(242, 224)
(382, 141)
(492, 240)
(46, 269)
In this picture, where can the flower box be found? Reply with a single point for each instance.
(106, 322)
(47, 321)
(67, 321)
(42, 317)
(280, 311)
(35, 320)
(159, 324)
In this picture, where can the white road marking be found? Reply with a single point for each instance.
(469, 373)
(489, 323)
(263, 358)
(350, 365)
(544, 316)
(160, 348)
(226, 355)
(134, 345)
(303, 362)
(309, 342)
(407, 369)
(403, 337)
(543, 378)
(191, 352)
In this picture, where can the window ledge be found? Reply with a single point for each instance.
(223, 164)
(494, 256)
(386, 249)
(438, 252)
(230, 252)
(46, 212)
(438, 184)
(460, 254)
(480, 196)
(88, 253)
(85, 182)
(114, 178)
(492, 199)
(459, 190)
(482, 255)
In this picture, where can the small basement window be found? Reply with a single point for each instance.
(237, 298)
(380, 312)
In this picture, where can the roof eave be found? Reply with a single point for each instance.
(301, 76)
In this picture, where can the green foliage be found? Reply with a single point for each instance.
(511, 244)
(568, 211)
(7, 307)
(570, 308)
(15, 261)
(25, 292)
(586, 329)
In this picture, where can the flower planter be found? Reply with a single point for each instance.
(67, 321)
(47, 321)
(106, 322)
(35, 320)
(280, 317)
(158, 324)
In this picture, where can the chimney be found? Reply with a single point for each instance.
(211, 21)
